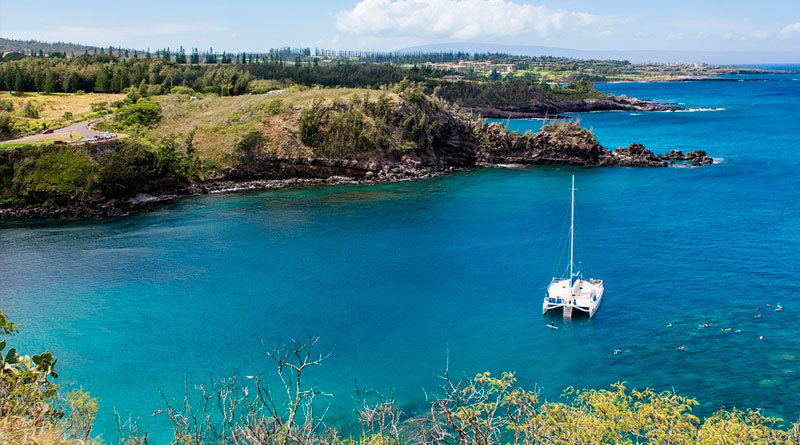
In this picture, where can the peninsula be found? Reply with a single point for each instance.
(188, 143)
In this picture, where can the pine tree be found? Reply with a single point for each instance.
(48, 82)
(18, 85)
(102, 84)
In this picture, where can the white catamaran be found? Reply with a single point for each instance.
(573, 292)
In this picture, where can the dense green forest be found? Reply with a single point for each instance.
(154, 75)
(104, 73)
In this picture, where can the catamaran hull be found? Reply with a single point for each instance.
(583, 295)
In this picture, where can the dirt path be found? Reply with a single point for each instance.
(82, 128)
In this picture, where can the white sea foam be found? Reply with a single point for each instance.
(718, 160)
(696, 110)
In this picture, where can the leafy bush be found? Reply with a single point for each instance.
(31, 109)
(249, 142)
(6, 105)
(31, 410)
(59, 169)
(182, 90)
(98, 106)
(126, 169)
(143, 113)
(5, 123)
(274, 106)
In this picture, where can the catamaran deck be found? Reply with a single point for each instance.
(583, 295)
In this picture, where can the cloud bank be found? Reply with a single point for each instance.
(790, 30)
(461, 19)
(92, 34)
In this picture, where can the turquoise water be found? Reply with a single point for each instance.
(391, 277)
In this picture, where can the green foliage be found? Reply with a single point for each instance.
(31, 109)
(144, 113)
(82, 410)
(6, 326)
(338, 131)
(126, 169)
(98, 106)
(249, 143)
(182, 90)
(25, 388)
(310, 122)
(5, 123)
(274, 106)
(67, 116)
(6, 105)
(53, 169)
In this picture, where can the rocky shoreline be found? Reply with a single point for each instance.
(635, 155)
(132, 179)
(554, 108)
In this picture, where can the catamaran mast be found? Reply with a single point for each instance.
(572, 230)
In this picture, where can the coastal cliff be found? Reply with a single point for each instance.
(519, 99)
(298, 139)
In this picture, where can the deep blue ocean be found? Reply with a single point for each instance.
(391, 277)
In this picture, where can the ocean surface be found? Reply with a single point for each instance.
(393, 277)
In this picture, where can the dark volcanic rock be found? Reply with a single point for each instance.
(698, 157)
(637, 155)
(544, 107)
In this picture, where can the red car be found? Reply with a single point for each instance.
(48, 131)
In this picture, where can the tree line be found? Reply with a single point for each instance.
(104, 73)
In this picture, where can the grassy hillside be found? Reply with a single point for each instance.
(31, 113)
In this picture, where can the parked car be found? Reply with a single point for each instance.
(48, 131)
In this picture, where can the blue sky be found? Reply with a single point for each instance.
(251, 25)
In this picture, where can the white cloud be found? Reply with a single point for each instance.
(790, 30)
(675, 36)
(460, 19)
(111, 34)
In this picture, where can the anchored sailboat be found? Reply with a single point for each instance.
(573, 292)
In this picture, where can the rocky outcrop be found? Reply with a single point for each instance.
(567, 143)
(418, 141)
(554, 107)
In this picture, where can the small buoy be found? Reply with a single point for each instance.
(669, 325)
(760, 337)
(158, 411)
(681, 347)
(738, 331)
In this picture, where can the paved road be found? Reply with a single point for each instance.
(81, 127)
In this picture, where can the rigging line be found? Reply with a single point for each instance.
(563, 249)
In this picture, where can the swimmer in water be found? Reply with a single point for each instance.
(681, 347)
(552, 325)
(617, 351)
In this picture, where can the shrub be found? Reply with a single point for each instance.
(5, 123)
(249, 143)
(31, 109)
(6, 105)
(67, 116)
(143, 113)
(98, 106)
(126, 169)
(274, 106)
(181, 90)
